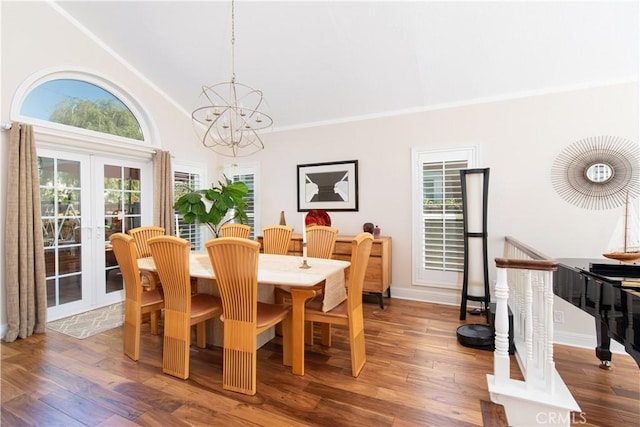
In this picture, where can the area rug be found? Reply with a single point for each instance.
(90, 323)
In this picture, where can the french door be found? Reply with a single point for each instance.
(85, 199)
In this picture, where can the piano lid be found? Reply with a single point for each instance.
(619, 270)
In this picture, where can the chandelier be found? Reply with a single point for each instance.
(228, 115)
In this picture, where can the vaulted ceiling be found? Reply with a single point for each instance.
(323, 61)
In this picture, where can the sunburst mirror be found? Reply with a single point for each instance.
(597, 172)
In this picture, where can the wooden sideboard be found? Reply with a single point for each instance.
(378, 275)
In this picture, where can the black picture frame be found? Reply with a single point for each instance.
(331, 186)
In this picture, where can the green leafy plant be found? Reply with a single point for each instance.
(215, 206)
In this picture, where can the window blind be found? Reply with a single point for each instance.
(249, 179)
(442, 215)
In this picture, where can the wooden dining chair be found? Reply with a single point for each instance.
(182, 309)
(141, 235)
(235, 230)
(276, 239)
(235, 264)
(321, 241)
(137, 302)
(349, 312)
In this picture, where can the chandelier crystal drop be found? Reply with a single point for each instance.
(228, 116)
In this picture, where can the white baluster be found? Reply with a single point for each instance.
(549, 365)
(528, 327)
(501, 363)
(521, 284)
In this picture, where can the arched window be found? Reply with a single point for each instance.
(83, 105)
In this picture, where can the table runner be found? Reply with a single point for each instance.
(331, 271)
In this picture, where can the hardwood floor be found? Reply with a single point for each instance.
(416, 375)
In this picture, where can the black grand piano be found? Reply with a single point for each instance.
(595, 286)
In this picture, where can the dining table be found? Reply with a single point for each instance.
(319, 275)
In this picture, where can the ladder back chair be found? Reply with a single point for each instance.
(235, 230)
(235, 264)
(349, 312)
(137, 302)
(182, 309)
(276, 239)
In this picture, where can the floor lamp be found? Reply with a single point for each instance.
(475, 189)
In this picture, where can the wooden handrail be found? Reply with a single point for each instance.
(527, 264)
(533, 253)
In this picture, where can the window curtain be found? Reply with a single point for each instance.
(24, 247)
(163, 213)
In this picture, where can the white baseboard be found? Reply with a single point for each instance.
(584, 341)
(433, 295)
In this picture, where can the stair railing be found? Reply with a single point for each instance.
(524, 284)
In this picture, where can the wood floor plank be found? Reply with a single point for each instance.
(493, 415)
(625, 392)
(158, 418)
(8, 418)
(126, 407)
(262, 417)
(9, 391)
(33, 412)
(199, 416)
(158, 399)
(416, 374)
(77, 407)
(358, 416)
(21, 378)
(116, 420)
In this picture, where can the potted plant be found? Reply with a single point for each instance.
(215, 206)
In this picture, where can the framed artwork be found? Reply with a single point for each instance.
(328, 186)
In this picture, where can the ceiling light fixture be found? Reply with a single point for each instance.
(228, 115)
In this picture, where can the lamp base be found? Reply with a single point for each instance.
(476, 336)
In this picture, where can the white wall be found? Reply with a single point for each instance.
(518, 140)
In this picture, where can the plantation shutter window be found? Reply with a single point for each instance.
(438, 228)
(442, 215)
(249, 179)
